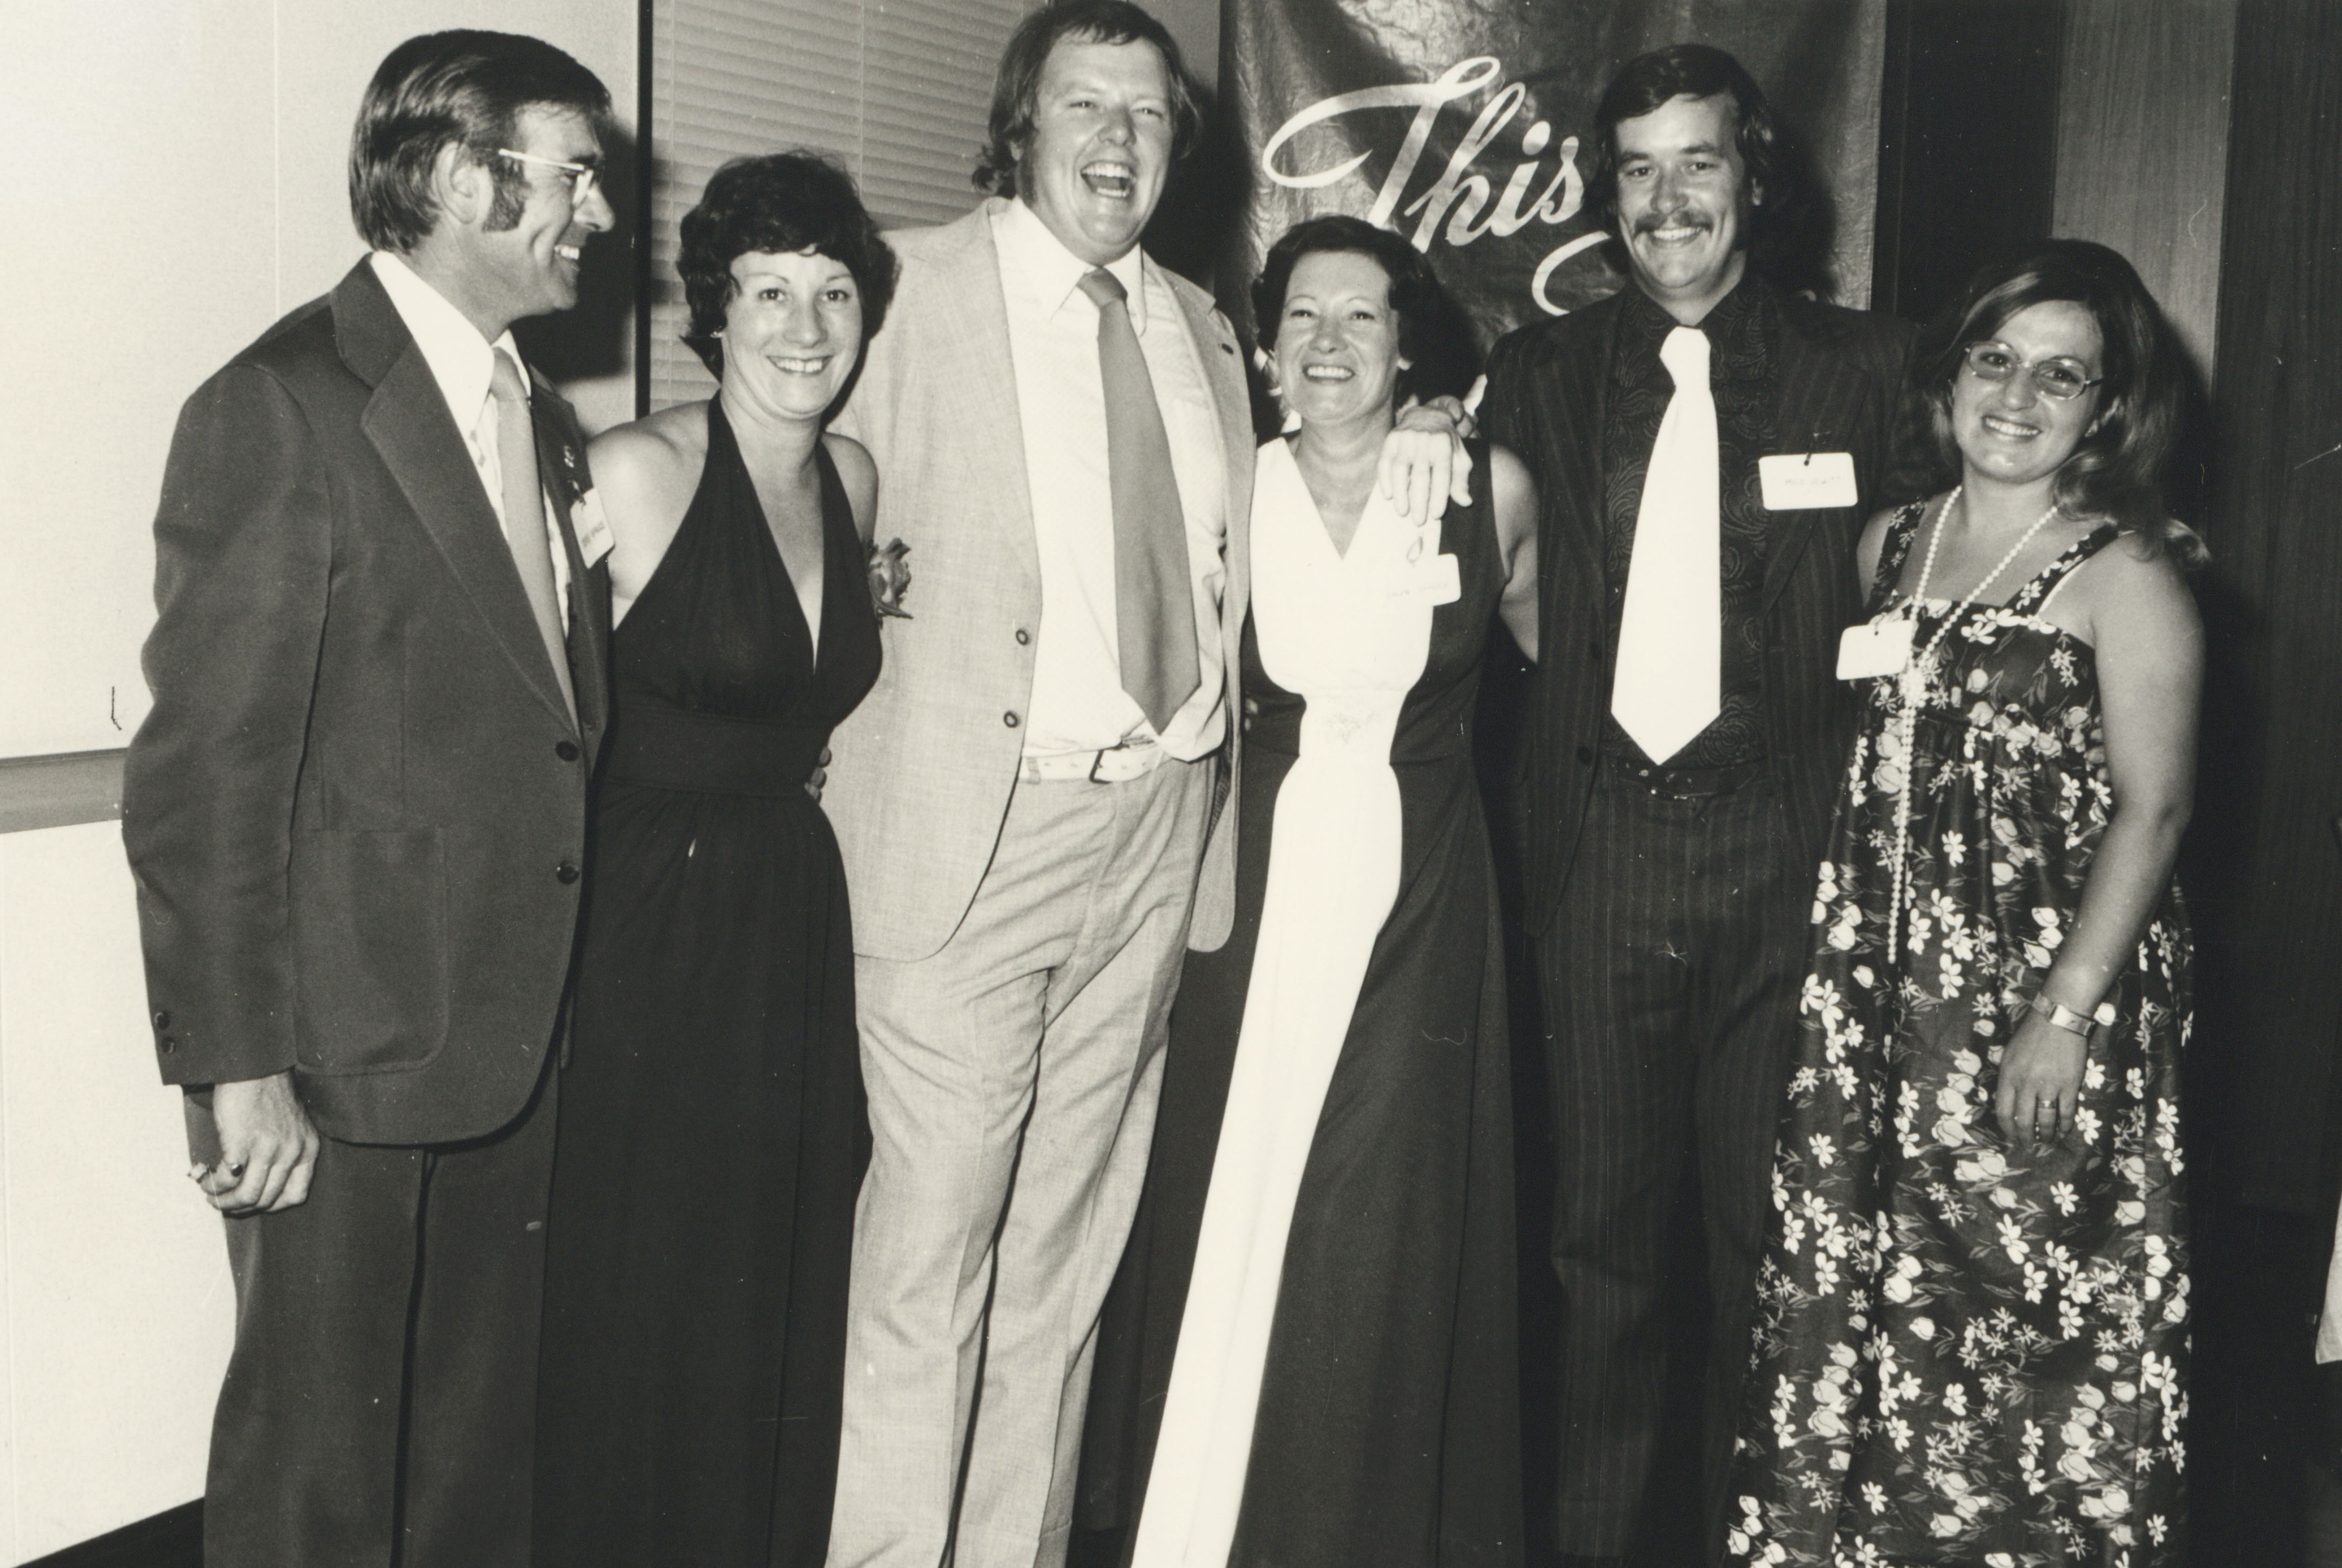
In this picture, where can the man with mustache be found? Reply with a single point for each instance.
(356, 815)
(1706, 448)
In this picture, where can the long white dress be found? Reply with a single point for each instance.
(1349, 632)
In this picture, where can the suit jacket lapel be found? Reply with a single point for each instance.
(1821, 410)
(977, 337)
(408, 424)
(1580, 394)
(1215, 346)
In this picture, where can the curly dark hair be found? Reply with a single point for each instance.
(1432, 336)
(465, 86)
(1016, 89)
(778, 203)
(1781, 226)
(2116, 470)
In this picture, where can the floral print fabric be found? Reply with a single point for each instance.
(1965, 1354)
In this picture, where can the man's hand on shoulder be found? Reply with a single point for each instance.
(268, 1148)
(1424, 464)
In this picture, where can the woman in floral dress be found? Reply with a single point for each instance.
(1973, 1309)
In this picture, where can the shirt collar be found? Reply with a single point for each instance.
(1734, 324)
(1036, 262)
(462, 362)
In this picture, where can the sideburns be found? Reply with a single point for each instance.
(510, 200)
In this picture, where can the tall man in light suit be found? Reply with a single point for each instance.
(1706, 449)
(1022, 801)
(355, 816)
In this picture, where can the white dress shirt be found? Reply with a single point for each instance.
(462, 362)
(1078, 703)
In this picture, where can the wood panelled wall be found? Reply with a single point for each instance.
(2265, 856)
(2142, 166)
(2143, 144)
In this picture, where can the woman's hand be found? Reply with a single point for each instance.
(2040, 1083)
(2134, 609)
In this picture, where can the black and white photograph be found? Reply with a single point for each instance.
(1171, 784)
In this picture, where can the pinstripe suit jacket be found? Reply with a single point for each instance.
(922, 772)
(1841, 379)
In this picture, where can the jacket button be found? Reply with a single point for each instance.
(1010, 719)
(565, 872)
(1023, 637)
(162, 1020)
(565, 750)
(170, 1043)
(1585, 754)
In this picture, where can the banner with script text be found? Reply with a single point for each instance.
(1467, 126)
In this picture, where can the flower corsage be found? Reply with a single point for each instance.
(890, 579)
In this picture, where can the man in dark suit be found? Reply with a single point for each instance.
(1706, 449)
(355, 816)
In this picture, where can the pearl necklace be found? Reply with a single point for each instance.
(1911, 690)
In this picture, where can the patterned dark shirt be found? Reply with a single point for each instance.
(1742, 332)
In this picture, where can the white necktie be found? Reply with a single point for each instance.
(1671, 638)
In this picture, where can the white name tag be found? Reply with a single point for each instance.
(594, 539)
(1800, 481)
(1433, 580)
(1873, 648)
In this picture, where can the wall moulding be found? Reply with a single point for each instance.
(62, 790)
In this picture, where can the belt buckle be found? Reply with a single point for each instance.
(1130, 748)
(1117, 749)
(1653, 779)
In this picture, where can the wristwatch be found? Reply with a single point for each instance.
(2059, 1016)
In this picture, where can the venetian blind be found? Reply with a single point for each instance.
(898, 89)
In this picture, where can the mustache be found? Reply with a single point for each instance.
(1651, 221)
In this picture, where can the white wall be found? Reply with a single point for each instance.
(173, 183)
(114, 1287)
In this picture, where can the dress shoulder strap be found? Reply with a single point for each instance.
(722, 447)
(1901, 530)
(721, 471)
(2034, 598)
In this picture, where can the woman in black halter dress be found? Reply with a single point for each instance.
(712, 1130)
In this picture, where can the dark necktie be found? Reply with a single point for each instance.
(1153, 597)
(524, 514)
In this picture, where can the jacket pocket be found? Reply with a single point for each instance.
(369, 932)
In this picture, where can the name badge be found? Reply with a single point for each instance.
(1433, 580)
(1801, 481)
(1873, 648)
(594, 539)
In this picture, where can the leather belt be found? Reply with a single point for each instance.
(1683, 783)
(1112, 765)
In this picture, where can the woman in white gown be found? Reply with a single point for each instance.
(1334, 1148)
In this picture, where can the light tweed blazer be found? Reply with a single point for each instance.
(921, 774)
